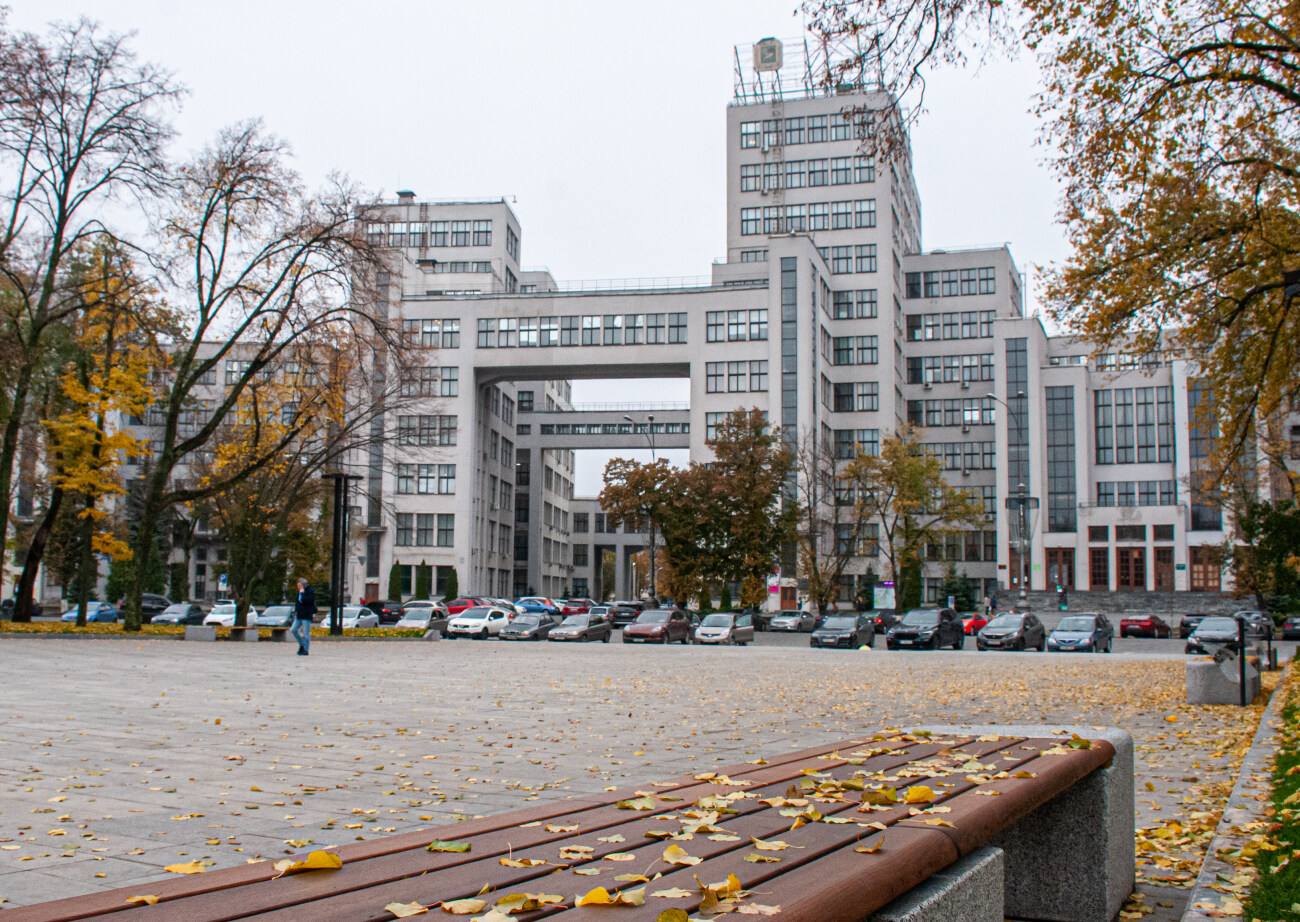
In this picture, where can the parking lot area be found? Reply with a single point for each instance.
(121, 756)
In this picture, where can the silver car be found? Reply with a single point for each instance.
(354, 616)
(802, 621)
(726, 628)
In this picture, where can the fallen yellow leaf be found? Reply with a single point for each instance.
(463, 907)
(403, 910)
(919, 794)
(602, 897)
(675, 854)
(191, 867)
(142, 899)
(315, 861)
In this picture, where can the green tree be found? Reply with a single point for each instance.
(903, 492)
(423, 581)
(634, 496)
(960, 587)
(452, 589)
(1172, 130)
(395, 581)
(1263, 554)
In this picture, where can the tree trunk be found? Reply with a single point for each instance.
(27, 582)
(87, 572)
(150, 515)
(8, 454)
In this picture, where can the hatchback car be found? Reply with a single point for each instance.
(1291, 628)
(537, 603)
(972, 622)
(180, 613)
(528, 626)
(621, 615)
(884, 619)
(481, 621)
(223, 615)
(1259, 624)
(423, 615)
(851, 631)
(582, 628)
(726, 627)
(659, 625)
(1012, 631)
(152, 604)
(604, 612)
(456, 606)
(95, 611)
(357, 616)
(1188, 624)
(1084, 633)
(275, 616)
(927, 629)
(388, 610)
(1211, 635)
(1144, 625)
(802, 621)
(575, 606)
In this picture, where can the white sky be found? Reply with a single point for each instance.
(606, 120)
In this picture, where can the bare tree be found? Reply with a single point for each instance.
(81, 122)
(831, 532)
(267, 274)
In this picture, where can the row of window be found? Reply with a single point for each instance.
(849, 443)
(949, 369)
(432, 334)
(425, 530)
(952, 283)
(862, 304)
(951, 325)
(803, 129)
(437, 479)
(735, 377)
(457, 267)
(966, 411)
(432, 382)
(587, 330)
(1131, 533)
(433, 233)
(850, 396)
(1137, 493)
(846, 260)
(426, 430)
(970, 546)
(818, 216)
(795, 174)
(964, 456)
(1134, 425)
(735, 326)
(606, 428)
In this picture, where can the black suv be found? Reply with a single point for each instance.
(152, 604)
(388, 610)
(927, 629)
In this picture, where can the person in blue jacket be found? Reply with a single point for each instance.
(304, 610)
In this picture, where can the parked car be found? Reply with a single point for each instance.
(576, 606)
(223, 615)
(95, 611)
(152, 604)
(802, 621)
(511, 608)
(1189, 624)
(1086, 633)
(530, 625)
(481, 621)
(584, 627)
(1144, 625)
(423, 615)
(1259, 624)
(729, 627)
(456, 606)
(659, 625)
(358, 616)
(884, 619)
(604, 612)
(536, 603)
(1012, 630)
(275, 616)
(927, 629)
(388, 610)
(621, 615)
(1210, 635)
(1291, 628)
(637, 605)
(852, 631)
(180, 613)
(972, 622)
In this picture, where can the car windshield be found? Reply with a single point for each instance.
(652, 617)
(228, 609)
(1076, 624)
(575, 621)
(840, 624)
(417, 614)
(921, 618)
(600, 610)
(276, 611)
(1216, 625)
(716, 621)
(526, 621)
(176, 610)
(478, 613)
(356, 612)
(1007, 620)
(411, 606)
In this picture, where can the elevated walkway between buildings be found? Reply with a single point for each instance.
(606, 426)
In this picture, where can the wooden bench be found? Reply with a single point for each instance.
(844, 848)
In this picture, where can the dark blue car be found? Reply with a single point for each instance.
(95, 611)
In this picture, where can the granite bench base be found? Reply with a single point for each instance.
(969, 891)
(1206, 683)
(200, 632)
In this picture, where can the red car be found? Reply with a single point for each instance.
(972, 621)
(576, 606)
(1143, 626)
(456, 606)
(659, 625)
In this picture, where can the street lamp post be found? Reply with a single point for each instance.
(1025, 566)
(338, 552)
(650, 437)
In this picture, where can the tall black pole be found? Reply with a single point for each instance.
(338, 555)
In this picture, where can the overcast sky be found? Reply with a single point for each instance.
(604, 120)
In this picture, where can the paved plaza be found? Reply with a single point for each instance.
(119, 757)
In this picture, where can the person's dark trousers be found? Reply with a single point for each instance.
(302, 632)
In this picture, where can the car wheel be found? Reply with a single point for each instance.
(1020, 644)
(1042, 645)
(605, 639)
(483, 634)
(961, 643)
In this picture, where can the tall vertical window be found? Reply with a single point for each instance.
(482, 233)
(1125, 449)
(1203, 429)
(866, 257)
(1103, 427)
(1018, 418)
(864, 211)
(1061, 488)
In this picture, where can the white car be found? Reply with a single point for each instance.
(354, 616)
(483, 621)
(223, 615)
(418, 614)
(509, 606)
(793, 621)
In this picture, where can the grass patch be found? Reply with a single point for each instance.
(1275, 895)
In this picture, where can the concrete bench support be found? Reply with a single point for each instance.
(1206, 684)
(200, 632)
(1072, 859)
(968, 891)
(247, 634)
(279, 634)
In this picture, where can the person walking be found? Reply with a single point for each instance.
(304, 611)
